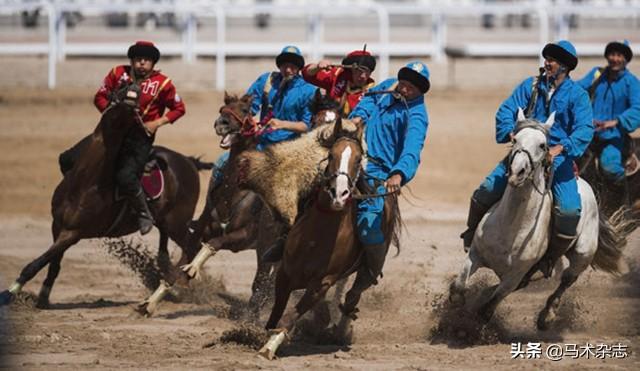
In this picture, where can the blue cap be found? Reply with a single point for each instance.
(416, 73)
(562, 51)
(290, 54)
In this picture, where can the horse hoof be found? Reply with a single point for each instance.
(43, 303)
(544, 319)
(142, 309)
(6, 298)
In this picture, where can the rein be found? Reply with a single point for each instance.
(547, 165)
(249, 127)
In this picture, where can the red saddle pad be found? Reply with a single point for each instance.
(153, 182)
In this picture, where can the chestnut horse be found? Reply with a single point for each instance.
(84, 203)
(232, 219)
(322, 246)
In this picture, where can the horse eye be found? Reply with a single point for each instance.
(543, 146)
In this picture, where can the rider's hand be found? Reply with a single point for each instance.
(393, 183)
(324, 64)
(555, 150)
(278, 124)
(602, 125)
(153, 125)
(357, 120)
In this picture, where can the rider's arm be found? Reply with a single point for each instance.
(173, 102)
(320, 77)
(256, 90)
(629, 120)
(578, 140)
(409, 159)
(508, 110)
(109, 84)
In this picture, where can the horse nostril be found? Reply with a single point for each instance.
(521, 172)
(345, 193)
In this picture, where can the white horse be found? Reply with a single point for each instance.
(515, 232)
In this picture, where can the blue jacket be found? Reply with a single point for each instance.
(619, 99)
(573, 127)
(290, 105)
(394, 133)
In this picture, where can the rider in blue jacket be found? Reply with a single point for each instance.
(551, 91)
(282, 99)
(615, 96)
(395, 130)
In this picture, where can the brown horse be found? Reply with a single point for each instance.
(84, 203)
(322, 247)
(232, 219)
(611, 197)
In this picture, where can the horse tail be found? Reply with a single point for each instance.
(612, 239)
(201, 165)
(395, 225)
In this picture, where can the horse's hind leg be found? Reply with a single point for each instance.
(164, 262)
(47, 285)
(577, 264)
(458, 286)
(65, 240)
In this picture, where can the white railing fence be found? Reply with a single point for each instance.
(553, 18)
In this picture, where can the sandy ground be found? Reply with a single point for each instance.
(91, 325)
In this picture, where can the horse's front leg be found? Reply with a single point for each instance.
(458, 286)
(508, 284)
(314, 293)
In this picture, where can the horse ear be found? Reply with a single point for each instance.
(359, 129)
(549, 123)
(228, 98)
(337, 129)
(247, 98)
(521, 116)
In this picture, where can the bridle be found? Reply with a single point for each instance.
(534, 166)
(248, 126)
(327, 178)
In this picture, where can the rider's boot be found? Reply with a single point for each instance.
(139, 204)
(558, 246)
(476, 213)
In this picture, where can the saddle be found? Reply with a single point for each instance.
(152, 181)
(631, 161)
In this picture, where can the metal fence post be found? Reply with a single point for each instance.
(220, 47)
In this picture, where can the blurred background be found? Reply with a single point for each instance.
(221, 32)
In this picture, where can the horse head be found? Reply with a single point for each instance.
(325, 109)
(343, 163)
(235, 120)
(529, 151)
(122, 112)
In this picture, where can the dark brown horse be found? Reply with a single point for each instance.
(322, 247)
(84, 203)
(232, 219)
(612, 197)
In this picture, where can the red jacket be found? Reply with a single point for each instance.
(337, 82)
(157, 94)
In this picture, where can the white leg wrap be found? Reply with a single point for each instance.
(15, 288)
(269, 350)
(151, 304)
(193, 269)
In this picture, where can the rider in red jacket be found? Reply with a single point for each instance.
(157, 95)
(347, 83)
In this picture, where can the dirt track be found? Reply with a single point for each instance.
(91, 324)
